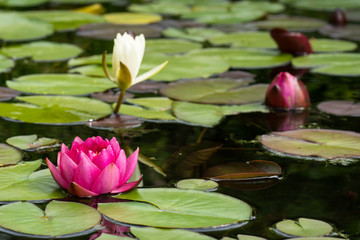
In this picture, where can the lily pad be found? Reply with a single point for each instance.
(31, 142)
(244, 237)
(169, 234)
(62, 84)
(194, 34)
(82, 1)
(174, 208)
(9, 155)
(43, 51)
(55, 109)
(168, 46)
(316, 238)
(14, 27)
(304, 227)
(64, 20)
(312, 143)
(197, 184)
(33, 186)
(340, 108)
(58, 219)
(325, 5)
(169, 8)
(6, 64)
(132, 18)
(246, 58)
(22, 3)
(105, 236)
(7, 93)
(349, 31)
(216, 91)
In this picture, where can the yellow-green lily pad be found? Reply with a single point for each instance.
(9, 155)
(22, 3)
(132, 18)
(304, 227)
(195, 34)
(6, 64)
(32, 142)
(169, 234)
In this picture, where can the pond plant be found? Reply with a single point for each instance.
(204, 131)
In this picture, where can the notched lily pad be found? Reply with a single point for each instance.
(304, 227)
(314, 143)
(340, 108)
(58, 220)
(33, 142)
(9, 155)
(197, 184)
(7, 93)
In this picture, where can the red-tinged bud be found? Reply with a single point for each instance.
(287, 92)
(291, 42)
(338, 18)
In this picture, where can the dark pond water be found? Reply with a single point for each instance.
(311, 189)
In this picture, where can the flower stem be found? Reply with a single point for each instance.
(120, 99)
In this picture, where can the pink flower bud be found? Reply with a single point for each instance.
(287, 92)
(94, 167)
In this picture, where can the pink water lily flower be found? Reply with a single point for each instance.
(93, 167)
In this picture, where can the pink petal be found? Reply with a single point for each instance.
(77, 190)
(104, 158)
(130, 166)
(107, 180)
(127, 186)
(86, 173)
(56, 174)
(115, 146)
(121, 164)
(67, 167)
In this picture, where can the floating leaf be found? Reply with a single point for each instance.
(82, 1)
(7, 93)
(244, 237)
(14, 27)
(170, 8)
(324, 5)
(62, 84)
(304, 227)
(349, 31)
(115, 121)
(169, 234)
(31, 142)
(197, 184)
(43, 51)
(5, 64)
(316, 238)
(340, 108)
(22, 3)
(216, 91)
(237, 171)
(194, 34)
(330, 45)
(9, 155)
(55, 109)
(174, 208)
(64, 20)
(58, 219)
(33, 186)
(312, 143)
(105, 236)
(132, 18)
(167, 46)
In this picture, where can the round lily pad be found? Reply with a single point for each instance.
(312, 143)
(216, 91)
(132, 18)
(158, 233)
(169, 8)
(170, 46)
(31, 142)
(197, 184)
(249, 237)
(58, 219)
(304, 227)
(33, 186)
(6, 64)
(340, 108)
(246, 58)
(14, 27)
(349, 31)
(9, 155)
(43, 51)
(105, 236)
(62, 84)
(195, 34)
(55, 109)
(330, 45)
(324, 5)
(64, 20)
(175, 208)
(22, 3)
(7, 93)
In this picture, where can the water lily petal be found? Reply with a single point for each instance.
(128, 186)
(121, 163)
(104, 158)
(77, 190)
(115, 146)
(67, 167)
(56, 174)
(149, 73)
(107, 180)
(86, 173)
(130, 166)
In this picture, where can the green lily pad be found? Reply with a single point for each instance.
(30, 142)
(155, 108)
(55, 109)
(62, 84)
(349, 31)
(197, 184)
(58, 219)
(14, 27)
(81, 1)
(210, 115)
(149, 233)
(325, 5)
(216, 91)
(94, 59)
(304, 227)
(9, 155)
(194, 34)
(132, 18)
(244, 237)
(33, 186)
(170, 8)
(167, 46)
(174, 208)
(6, 64)
(331, 45)
(340, 108)
(43, 51)
(105, 236)
(246, 58)
(64, 20)
(316, 238)
(311, 143)
(22, 3)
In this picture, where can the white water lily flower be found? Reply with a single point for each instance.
(127, 57)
